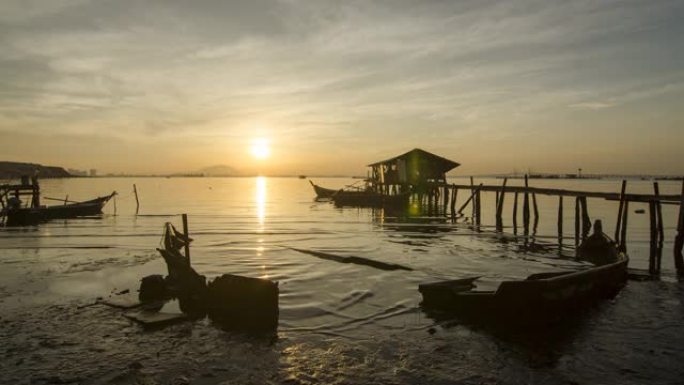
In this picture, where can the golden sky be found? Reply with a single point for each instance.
(328, 86)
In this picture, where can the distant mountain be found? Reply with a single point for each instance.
(219, 170)
(14, 170)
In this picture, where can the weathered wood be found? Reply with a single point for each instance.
(660, 228)
(586, 222)
(526, 208)
(652, 239)
(453, 202)
(621, 207)
(577, 221)
(499, 205)
(472, 197)
(589, 194)
(187, 236)
(515, 212)
(137, 201)
(472, 190)
(623, 231)
(536, 212)
(560, 220)
(479, 208)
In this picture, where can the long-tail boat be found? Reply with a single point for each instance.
(369, 198)
(322, 192)
(541, 298)
(22, 216)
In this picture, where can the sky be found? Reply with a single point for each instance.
(329, 86)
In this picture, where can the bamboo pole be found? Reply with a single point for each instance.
(621, 207)
(137, 201)
(499, 204)
(661, 230)
(577, 221)
(623, 231)
(472, 197)
(515, 212)
(652, 239)
(560, 220)
(586, 222)
(526, 208)
(536, 212)
(186, 233)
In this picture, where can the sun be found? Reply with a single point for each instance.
(260, 148)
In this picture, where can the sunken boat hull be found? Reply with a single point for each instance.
(539, 299)
(34, 215)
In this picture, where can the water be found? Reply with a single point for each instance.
(339, 323)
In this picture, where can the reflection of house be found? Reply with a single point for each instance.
(417, 168)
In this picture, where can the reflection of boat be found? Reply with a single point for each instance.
(322, 192)
(32, 215)
(369, 198)
(538, 299)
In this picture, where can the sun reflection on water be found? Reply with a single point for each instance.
(260, 200)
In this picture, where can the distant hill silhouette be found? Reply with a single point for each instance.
(14, 170)
(219, 170)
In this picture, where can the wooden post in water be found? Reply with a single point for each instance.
(536, 213)
(623, 231)
(453, 202)
(472, 191)
(560, 221)
(499, 205)
(446, 198)
(478, 212)
(586, 222)
(137, 202)
(515, 213)
(526, 209)
(661, 229)
(186, 233)
(621, 207)
(653, 234)
(472, 197)
(577, 221)
(679, 239)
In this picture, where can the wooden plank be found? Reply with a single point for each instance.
(589, 194)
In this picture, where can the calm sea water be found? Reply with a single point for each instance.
(339, 323)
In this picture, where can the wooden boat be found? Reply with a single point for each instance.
(322, 192)
(369, 199)
(541, 298)
(33, 215)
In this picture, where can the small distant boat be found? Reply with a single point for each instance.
(32, 215)
(538, 299)
(302, 176)
(322, 192)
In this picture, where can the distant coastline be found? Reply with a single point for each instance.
(14, 170)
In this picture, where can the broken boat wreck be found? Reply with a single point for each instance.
(232, 301)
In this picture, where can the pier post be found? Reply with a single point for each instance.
(560, 221)
(472, 191)
(621, 207)
(526, 208)
(679, 239)
(623, 230)
(536, 213)
(499, 205)
(661, 230)
(446, 198)
(586, 222)
(653, 235)
(479, 207)
(515, 213)
(453, 202)
(577, 221)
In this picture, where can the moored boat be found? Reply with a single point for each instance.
(22, 216)
(322, 192)
(369, 198)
